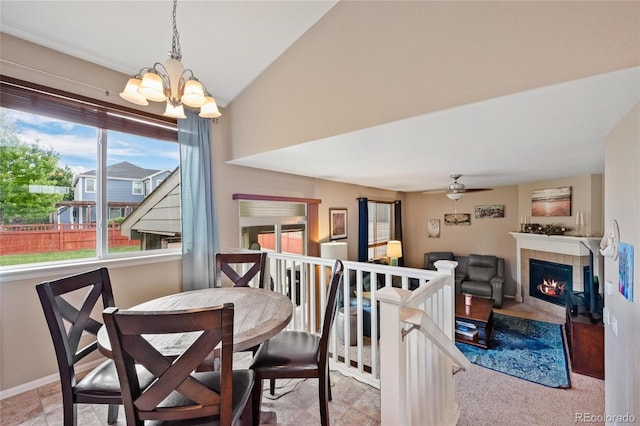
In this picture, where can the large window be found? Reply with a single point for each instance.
(97, 158)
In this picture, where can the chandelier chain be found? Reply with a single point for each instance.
(176, 52)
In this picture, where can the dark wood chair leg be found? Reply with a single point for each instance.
(112, 414)
(247, 413)
(70, 414)
(324, 399)
(272, 386)
(256, 400)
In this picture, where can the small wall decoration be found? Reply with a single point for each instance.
(551, 202)
(457, 219)
(625, 270)
(337, 223)
(491, 211)
(433, 228)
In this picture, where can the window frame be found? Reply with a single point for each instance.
(86, 185)
(138, 184)
(42, 100)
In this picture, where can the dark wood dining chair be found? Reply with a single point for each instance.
(298, 354)
(179, 394)
(229, 264)
(100, 385)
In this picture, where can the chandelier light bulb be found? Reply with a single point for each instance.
(193, 95)
(210, 109)
(130, 92)
(151, 87)
(174, 111)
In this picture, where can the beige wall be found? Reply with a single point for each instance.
(26, 349)
(622, 203)
(491, 236)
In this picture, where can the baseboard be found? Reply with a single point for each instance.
(34, 384)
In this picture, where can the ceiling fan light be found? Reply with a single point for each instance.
(176, 111)
(210, 109)
(130, 92)
(151, 87)
(454, 195)
(193, 95)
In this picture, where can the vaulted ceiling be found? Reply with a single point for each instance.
(549, 130)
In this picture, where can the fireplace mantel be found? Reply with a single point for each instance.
(562, 244)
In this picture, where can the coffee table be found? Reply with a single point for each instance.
(478, 316)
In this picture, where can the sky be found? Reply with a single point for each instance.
(77, 144)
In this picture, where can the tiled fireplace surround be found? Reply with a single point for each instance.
(566, 250)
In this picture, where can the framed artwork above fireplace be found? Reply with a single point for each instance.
(551, 202)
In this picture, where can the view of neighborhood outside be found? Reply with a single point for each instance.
(49, 193)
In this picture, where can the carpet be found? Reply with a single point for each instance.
(528, 349)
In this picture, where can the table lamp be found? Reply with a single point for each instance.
(334, 250)
(394, 251)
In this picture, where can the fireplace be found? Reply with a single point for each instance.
(550, 281)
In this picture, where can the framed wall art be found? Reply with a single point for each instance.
(551, 202)
(337, 223)
(433, 228)
(491, 211)
(457, 219)
(625, 270)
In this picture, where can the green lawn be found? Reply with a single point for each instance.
(19, 259)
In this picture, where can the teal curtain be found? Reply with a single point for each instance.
(199, 223)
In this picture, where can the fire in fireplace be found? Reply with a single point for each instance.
(550, 281)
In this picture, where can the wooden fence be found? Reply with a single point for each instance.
(46, 238)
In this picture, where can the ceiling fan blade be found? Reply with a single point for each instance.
(476, 189)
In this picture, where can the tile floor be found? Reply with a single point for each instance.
(295, 403)
(354, 403)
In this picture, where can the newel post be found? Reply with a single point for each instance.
(393, 366)
(448, 267)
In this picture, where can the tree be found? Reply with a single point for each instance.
(29, 176)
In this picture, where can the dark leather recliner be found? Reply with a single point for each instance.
(485, 277)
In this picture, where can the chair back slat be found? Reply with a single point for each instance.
(176, 393)
(257, 262)
(58, 311)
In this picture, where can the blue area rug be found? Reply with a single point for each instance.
(528, 349)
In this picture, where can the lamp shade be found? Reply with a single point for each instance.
(334, 250)
(174, 111)
(394, 249)
(454, 195)
(193, 94)
(151, 87)
(130, 92)
(210, 109)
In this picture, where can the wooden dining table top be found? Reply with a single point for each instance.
(258, 315)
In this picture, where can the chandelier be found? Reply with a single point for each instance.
(172, 83)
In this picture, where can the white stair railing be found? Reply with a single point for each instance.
(412, 370)
(417, 386)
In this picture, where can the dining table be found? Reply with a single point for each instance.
(258, 315)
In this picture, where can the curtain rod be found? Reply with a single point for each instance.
(107, 92)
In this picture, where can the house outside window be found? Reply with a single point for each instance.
(47, 140)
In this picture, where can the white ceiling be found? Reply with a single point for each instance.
(551, 132)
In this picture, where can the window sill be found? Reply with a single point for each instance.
(40, 270)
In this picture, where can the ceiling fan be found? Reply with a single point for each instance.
(456, 190)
